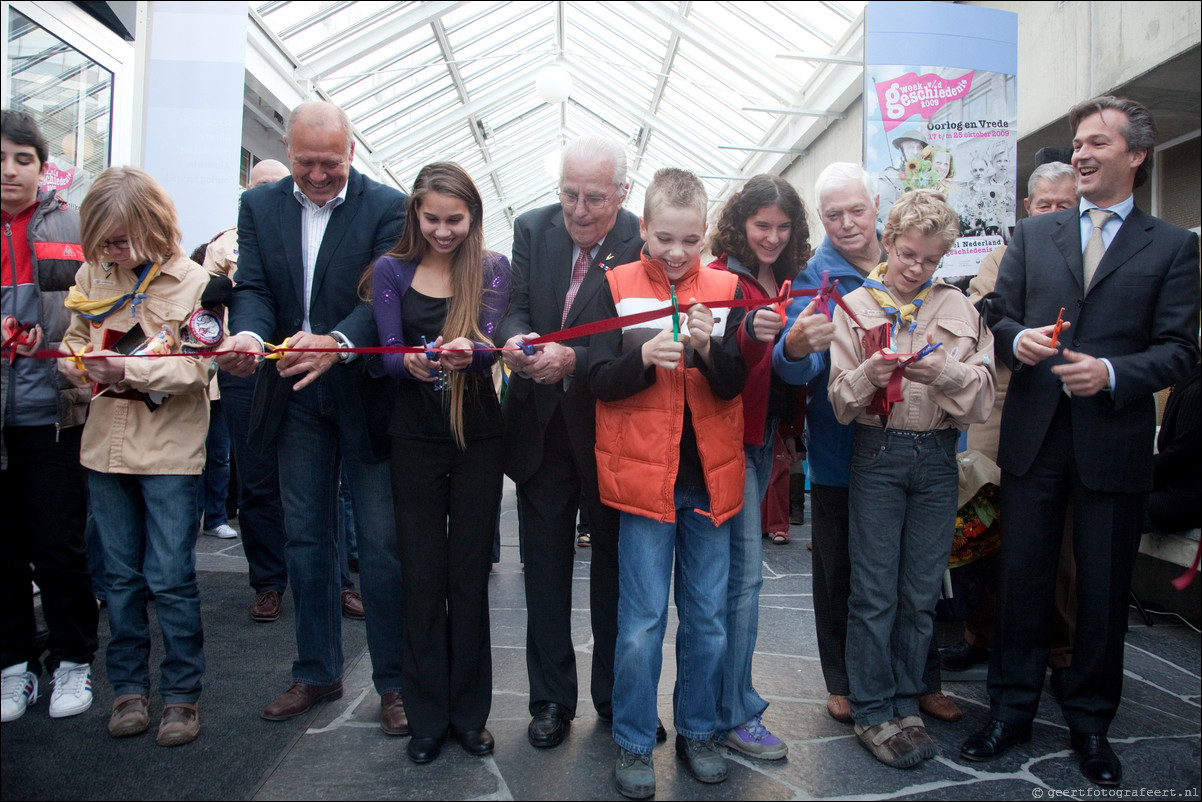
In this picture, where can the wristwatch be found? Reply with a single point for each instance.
(344, 345)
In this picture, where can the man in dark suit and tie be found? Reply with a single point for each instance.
(304, 242)
(1078, 424)
(560, 255)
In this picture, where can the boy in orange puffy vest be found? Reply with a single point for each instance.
(670, 459)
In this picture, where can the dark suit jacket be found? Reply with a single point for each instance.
(1141, 313)
(270, 284)
(542, 272)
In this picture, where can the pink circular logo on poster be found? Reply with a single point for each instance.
(56, 177)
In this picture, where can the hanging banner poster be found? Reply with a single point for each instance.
(941, 113)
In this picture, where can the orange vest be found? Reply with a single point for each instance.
(638, 438)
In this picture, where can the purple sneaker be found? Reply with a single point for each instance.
(754, 740)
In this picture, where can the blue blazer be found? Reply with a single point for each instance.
(268, 298)
(1141, 313)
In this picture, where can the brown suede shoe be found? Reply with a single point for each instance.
(180, 725)
(939, 706)
(130, 716)
(913, 728)
(299, 698)
(392, 715)
(839, 708)
(889, 744)
(266, 607)
(352, 605)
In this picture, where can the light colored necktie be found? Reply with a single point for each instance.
(583, 261)
(1095, 248)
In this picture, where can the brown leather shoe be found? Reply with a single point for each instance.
(392, 715)
(130, 716)
(266, 607)
(352, 605)
(939, 706)
(180, 725)
(299, 698)
(839, 708)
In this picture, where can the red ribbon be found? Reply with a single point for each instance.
(828, 292)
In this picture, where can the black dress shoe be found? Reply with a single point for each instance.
(476, 742)
(548, 726)
(423, 750)
(962, 656)
(994, 740)
(1099, 763)
(661, 734)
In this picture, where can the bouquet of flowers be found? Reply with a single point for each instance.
(918, 174)
(978, 530)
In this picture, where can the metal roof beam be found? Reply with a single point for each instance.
(375, 37)
(665, 69)
(746, 64)
(438, 125)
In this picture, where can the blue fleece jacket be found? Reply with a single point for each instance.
(829, 443)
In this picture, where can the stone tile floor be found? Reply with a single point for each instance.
(343, 754)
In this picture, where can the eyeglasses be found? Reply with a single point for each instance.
(569, 200)
(909, 260)
(116, 244)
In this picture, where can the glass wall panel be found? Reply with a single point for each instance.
(71, 98)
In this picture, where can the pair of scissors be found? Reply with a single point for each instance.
(277, 351)
(1056, 329)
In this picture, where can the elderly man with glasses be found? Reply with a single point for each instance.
(560, 255)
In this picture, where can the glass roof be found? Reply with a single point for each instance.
(445, 80)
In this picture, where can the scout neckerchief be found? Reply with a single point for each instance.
(97, 311)
(907, 313)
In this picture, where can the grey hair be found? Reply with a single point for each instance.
(1139, 131)
(1052, 172)
(840, 174)
(594, 148)
(317, 113)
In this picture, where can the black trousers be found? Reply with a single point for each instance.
(547, 505)
(446, 504)
(45, 502)
(1106, 533)
(260, 515)
(832, 587)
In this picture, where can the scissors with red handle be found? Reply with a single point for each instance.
(1056, 329)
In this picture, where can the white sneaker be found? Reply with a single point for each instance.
(225, 532)
(18, 690)
(72, 693)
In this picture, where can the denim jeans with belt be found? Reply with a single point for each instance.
(311, 447)
(902, 516)
(740, 701)
(645, 555)
(148, 524)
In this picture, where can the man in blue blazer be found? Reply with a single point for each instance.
(1079, 422)
(304, 243)
(550, 432)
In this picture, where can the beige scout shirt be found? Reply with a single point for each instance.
(221, 257)
(960, 395)
(983, 437)
(123, 435)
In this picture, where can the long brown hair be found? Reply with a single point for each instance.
(729, 237)
(467, 265)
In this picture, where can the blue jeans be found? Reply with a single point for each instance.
(645, 553)
(902, 517)
(310, 448)
(740, 701)
(214, 485)
(147, 525)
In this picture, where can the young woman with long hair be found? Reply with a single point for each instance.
(440, 287)
(762, 237)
